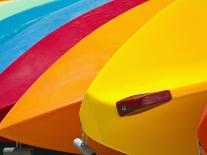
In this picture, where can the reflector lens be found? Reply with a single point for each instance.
(142, 102)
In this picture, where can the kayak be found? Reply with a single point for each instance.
(12, 25)
(17, 19)
(18, 6)
(6, 56)
(202, 129)
(56, 96)
(149, 96)
(27, 38)
(26, 72)
(19, 76)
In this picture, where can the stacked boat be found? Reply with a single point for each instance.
(104, 77)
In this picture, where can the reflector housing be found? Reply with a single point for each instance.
(142, 102)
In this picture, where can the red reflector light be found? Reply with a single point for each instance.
(142, 102)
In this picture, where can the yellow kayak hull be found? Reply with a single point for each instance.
(49, 110)
(168, 53)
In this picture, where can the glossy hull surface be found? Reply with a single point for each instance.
(32, 61)
(30, 36)
(14, 24)
(168, 53)
(57, 94)
(41, 56)
(17, 6)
